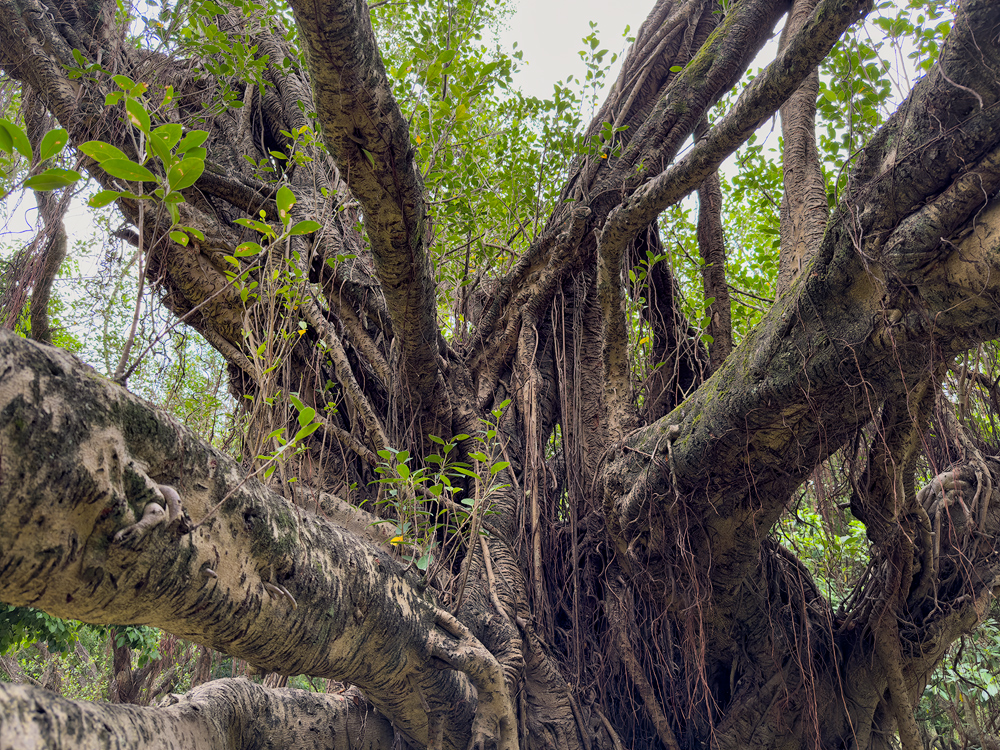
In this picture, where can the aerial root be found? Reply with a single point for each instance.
(495, 720)
(154, 514)
(635, 673)
(888, 649)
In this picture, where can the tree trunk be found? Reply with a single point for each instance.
(624, 592)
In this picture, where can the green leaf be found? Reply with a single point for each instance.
(424, 561)
(498, 467)
(124, 82)
(403, 470)
(127, 169)
(162, 151)
(248, 248)
(17, 137)
(306, 431)
(285, 200)
(179, 237)
(100, 151)
(137, 114)
(254, 224)
(191, 140)
(185, 173)
(52, 143)
(103, 198)
(52, 179)
(306, 416)
(6, 142)
(168, 134)
(305, 227)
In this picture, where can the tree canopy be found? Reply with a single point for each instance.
(514, 434)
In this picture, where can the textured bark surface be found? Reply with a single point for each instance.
(237, 567)
(627, 590)
(223, 715)
(803, 203)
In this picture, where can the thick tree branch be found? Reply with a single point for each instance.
(868, 324)
(221, 715)
(764, 95)
(712, 245)
(715, 68)
(365, 132)
(758, 102)
(241, 570)
(803, 203)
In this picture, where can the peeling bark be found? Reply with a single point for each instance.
(712, 245)
(803, 204)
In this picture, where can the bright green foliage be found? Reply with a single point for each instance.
(964, 693)
(21, 626)
(144, 641)
(430, 499)
(833, 546)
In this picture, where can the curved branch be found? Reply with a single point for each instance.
(863, 327)
(238, 566)
(758, 102)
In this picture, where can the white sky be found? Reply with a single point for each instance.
(550, 33)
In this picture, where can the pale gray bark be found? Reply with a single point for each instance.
(222, 715)
(240, 570)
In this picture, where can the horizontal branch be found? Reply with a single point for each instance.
(229, 714)
(235, 567)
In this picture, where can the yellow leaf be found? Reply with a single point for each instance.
(396, 540)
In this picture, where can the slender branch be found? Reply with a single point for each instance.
(374, 431)
(712, 245)
(758, 102)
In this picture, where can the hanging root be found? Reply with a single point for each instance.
(634, 670)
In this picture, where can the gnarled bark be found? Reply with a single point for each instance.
(657, 519)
